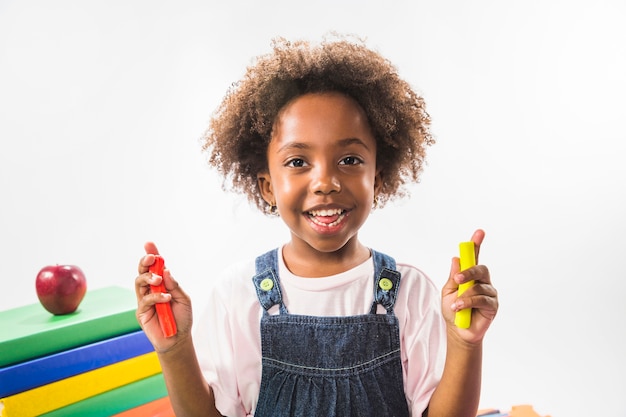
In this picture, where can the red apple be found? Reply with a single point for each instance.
(60, 288)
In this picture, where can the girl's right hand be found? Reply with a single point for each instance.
(146, 312)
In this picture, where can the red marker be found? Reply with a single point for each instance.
(164, 310)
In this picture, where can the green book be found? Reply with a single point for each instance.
(117, 400)
(30, 331)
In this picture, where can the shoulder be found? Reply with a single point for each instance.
(414, 275)
(233, 279)
(417, 285)
(418, 294)
(231, 301)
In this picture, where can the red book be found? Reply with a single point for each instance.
(157, 408)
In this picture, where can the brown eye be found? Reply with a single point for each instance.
(296, 163)
(350, 160)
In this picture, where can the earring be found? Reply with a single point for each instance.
(271, 209)
(375, 204)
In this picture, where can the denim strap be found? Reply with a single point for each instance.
(269, 294)
(385, 295)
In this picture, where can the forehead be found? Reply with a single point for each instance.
(322, 114)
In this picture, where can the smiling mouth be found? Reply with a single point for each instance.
(327, 218)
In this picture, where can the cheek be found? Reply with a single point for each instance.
(284, 190)
(368, 182)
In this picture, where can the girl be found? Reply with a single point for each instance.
(322, 326)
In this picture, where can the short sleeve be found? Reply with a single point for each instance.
(423, 335)
(227, 342)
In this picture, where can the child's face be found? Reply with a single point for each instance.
(322, 170)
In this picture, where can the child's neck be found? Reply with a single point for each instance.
(306, 261)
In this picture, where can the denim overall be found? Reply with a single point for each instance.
(330, 366)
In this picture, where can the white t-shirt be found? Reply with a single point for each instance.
(227, 334)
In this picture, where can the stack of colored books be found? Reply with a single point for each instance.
(96, 361)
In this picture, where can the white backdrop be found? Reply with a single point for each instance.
(102, 104)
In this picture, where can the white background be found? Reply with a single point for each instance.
(102, 104)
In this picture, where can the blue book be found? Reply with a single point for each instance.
(37, 372)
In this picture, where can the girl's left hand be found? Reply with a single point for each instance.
(482, 297)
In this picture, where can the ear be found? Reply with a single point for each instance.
(378, 181)
(265, 187)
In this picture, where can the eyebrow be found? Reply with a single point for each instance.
(342, 142)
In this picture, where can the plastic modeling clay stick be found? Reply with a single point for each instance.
(463, 318)
(164, 310)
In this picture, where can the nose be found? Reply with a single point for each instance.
(325, 180)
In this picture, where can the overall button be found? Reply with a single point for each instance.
(385, 284)
(267, 284)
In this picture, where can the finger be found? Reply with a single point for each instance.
(142, 284)
(150, 247)
(144, 263)
(150, 298)
(478, 291)
(451, 285)
(146, 297)
(170, 283)
(477, 238)
(178, 296)
(146, 312)
(480, 297)
(478, 273)
(145, 279)
(148, 259)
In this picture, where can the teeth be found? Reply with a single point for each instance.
(335, 223)
(325, 213)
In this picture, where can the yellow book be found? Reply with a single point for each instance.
(70, 390)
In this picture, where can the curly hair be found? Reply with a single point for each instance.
(241, 128)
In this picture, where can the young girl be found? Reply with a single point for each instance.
(322, 326)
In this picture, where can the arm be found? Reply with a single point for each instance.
(458, 392)
(189, 393)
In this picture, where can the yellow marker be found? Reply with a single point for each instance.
(463, 318)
